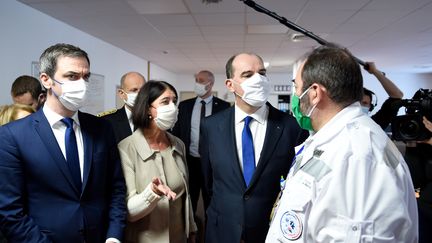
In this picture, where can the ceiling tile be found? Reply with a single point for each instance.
(158, 6)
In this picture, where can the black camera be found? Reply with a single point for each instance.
(410, 127)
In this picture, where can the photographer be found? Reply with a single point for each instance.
(386, 113)
(419, 158)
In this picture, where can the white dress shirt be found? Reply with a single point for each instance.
(129, 116)
(195, 123)
(258, 127)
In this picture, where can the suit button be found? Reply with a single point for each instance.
(246, 197)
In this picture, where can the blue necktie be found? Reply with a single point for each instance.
(72, 152)
(248, 151)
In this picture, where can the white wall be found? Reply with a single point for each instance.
(27, 32)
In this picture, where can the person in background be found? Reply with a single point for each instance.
(60, 173)
(9, 113)
(154, 165)
(121, 119)
(14, 112)
(245, 150)
(349, 182)
(419, 157)
(188, 125)
(27, 90)
(387, 112)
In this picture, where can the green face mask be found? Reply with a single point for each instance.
(303, 120)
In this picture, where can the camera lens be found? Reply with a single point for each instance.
(410, 129)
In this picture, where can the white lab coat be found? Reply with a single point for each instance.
(349, 184)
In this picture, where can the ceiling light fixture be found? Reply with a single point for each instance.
(211, 1)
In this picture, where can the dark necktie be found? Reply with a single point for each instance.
(203, 109)
(72, 152)
(248, 151)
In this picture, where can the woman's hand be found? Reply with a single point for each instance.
(162, 190)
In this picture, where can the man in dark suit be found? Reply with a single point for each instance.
(60, 173)
(121, 119)
(244, 152)
(187, 128)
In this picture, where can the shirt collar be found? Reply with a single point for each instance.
(343, 118)
(206, 100)
(260, 115)
(128, 113)
(54, 118)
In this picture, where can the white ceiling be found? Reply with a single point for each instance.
(185, 36)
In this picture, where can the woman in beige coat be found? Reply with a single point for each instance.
(153, 160)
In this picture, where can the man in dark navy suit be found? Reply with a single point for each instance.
(121, 119)
(244, 152)
(60, 173)
(187, 127)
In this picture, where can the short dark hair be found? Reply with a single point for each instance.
(151, 90)
(24, 84)
(368, 93)
(229, 69)
(337, 70)
(48, 59)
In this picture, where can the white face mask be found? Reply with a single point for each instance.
(256, 90)
(74, 94)
(166, 116)
(131, 97)
(200, 89)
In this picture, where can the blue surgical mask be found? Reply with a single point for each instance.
(365, 110)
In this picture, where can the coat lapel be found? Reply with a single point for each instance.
(229, 135)
(86, 131)
(46, 134)
(273, 133)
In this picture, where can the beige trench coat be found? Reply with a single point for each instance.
(140, 165)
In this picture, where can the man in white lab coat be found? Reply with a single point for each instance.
(349, 182)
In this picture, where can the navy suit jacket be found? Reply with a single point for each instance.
(38, 199)
(182, 128)
(120, 124)
(236, 211)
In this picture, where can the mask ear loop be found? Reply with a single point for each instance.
(314, 106)
(305, 92)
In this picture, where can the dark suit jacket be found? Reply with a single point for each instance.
(182, 128)
(38, 199)
(235, 209)
(120, 124)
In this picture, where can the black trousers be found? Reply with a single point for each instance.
(425, 221)
(196, 182)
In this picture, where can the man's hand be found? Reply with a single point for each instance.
(428, 126)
